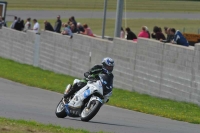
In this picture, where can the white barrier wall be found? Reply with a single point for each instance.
(148, 66)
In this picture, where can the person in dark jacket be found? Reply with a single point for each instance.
(58, 25)
(130, 34)
(179, 39)
(22, 25)
(74, 22)
(157, 33)
(80, 28)
(18, 25)
(48, 26)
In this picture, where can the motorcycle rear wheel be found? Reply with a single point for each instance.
(60, 110)
(88, 113)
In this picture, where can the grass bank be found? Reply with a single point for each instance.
(129, 5)
(189, 26)
(37, 77)
(22, 126)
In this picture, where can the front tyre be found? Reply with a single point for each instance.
(60, 110)
(89, 112)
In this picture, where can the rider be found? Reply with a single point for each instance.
(93, 74)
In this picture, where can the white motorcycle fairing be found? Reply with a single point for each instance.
(73, 108)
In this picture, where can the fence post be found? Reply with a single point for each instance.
(36, 50)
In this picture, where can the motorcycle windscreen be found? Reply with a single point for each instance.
(107, 83)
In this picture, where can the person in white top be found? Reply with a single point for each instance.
(28, 25)
(122, 33)
(36, 27)
(12, 26)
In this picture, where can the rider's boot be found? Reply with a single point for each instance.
(73, 89)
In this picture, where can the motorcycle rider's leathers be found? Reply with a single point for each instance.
(93, 75)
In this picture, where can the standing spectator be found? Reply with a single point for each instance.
(27, 25)
(14, 22)
(88, 31)
(122, 33)
(73, 21)
(2, 22)
(58, 24)
(36, 27)
(67, 31)
(143, 33)
(130, 34)
(18, 25)
(178, 38)
(169, 37)
(48, 26)
(22, 25)
(80, 28)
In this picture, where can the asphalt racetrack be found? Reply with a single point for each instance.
(23, 102)
(46, 14)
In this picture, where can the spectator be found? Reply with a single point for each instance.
(143, 33)
(157, 33)
(122, 33)
(48, 26)
(155, 29)
(18, 25)
(58, 24)
(178, 38)
(73, 28)
(88, 31)
(74, 22)
(27, 25)
(67, 31)
(36, 26)
(80, 28)
(165, 29)
(169, 37)
(22, 25)
(147, 30)
(14, 22)
(2, 22)
(130, 34)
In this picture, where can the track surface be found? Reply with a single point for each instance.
(22, 102)
(38, 14)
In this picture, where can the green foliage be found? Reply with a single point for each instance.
(33, 76)
(22, 126)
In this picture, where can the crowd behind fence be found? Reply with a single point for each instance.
(163, 34)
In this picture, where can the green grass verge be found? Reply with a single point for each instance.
(22, 126)
(37, 77)
(191, 26)
(131, 5)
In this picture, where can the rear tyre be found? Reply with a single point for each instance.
(88, 113)
(60, 110)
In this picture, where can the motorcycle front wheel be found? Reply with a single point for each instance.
(60, 110)
(90, 111)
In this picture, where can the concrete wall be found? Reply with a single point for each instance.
(148, 66)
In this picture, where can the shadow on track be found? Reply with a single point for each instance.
(102, 123)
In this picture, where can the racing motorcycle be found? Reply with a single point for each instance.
(86, 102)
